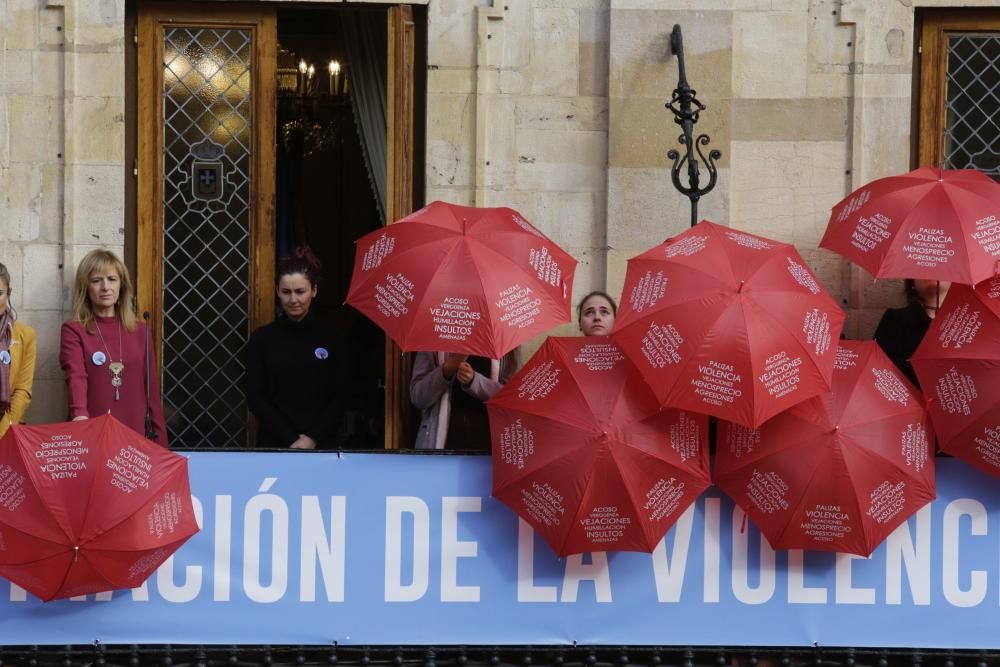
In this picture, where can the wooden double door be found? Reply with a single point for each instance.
(204, 238)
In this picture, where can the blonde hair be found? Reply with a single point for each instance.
(83, 309)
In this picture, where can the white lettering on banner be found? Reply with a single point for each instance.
(669, 573)
(798, 592)
(223, 547)
(395, 508)
(323, 547)
(908, 553)
(277, 508)
(377, 251)
(648, 291)
(712, 545)
(871, 232)
(928, 247)
(527, 591)
(950, 576)
(846, 592)
(190, 588)
(960, 327)
(742, 590)
(595, 571)
(903, 553)
(452, 548)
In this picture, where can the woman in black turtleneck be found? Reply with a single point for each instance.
(294, 366)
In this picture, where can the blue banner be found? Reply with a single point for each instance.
(395, 549)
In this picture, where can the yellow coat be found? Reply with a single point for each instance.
(22, 375)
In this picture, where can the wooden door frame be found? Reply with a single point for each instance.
(260, 19)
(936, 24)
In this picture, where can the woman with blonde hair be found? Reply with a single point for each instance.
(17, 359)
(105, 351)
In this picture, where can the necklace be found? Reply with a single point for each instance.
(115, 368)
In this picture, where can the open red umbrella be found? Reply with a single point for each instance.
(938, 224)
(958, 364)
(582, 452)
(840, 471)
(88, 506)
(727, 323)
(459, 279)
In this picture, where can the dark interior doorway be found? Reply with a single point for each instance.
(325, 195)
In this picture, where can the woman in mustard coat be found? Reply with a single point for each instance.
(17, 360)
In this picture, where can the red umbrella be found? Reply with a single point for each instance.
(88, 506)
(727, 323)
(938, 224)
(958, 364)
(582, 452)
(458, 279)
(840, 471)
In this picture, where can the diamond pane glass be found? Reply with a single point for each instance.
(972, 107)
(206, 234)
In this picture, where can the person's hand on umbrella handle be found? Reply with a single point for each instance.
(303, 442)
(79, 418)
(451, 364)
(465, 374)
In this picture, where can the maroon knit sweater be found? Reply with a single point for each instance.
(89, 384)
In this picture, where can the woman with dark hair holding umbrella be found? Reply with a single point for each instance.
(900, 330)
(295, 381)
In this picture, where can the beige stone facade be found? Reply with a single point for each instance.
(554, 107)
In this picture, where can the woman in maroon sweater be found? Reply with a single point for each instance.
(103, 350)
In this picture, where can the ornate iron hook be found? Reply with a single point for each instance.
(686, 107)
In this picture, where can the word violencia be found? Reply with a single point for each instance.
(278, 549)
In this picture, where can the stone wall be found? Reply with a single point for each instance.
(553, 107)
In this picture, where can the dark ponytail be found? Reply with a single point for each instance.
(303, 261)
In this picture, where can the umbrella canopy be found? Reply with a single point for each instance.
(582, 452)
(88, 506)
(459, 279)
(958, 365)
(728, 324)
(840, 471)
(938, 224)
